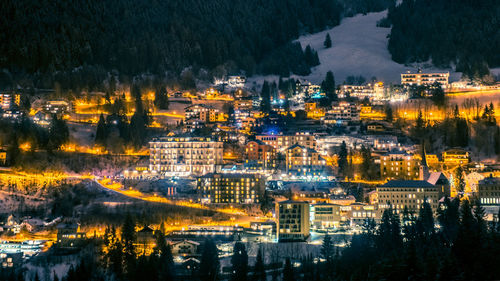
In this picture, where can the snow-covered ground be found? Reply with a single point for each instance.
(359, 48)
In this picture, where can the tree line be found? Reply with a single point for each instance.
(463, 33)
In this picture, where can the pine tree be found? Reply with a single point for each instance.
(163, 251)
(425, 219)
(388, 113)
(459, 181)
(288, 274)
(265, 94)
(366, 165)
(327, 250)
(259, 268)
(161, 98)
(101, 133)
(328, 41)
(209, 264)
(342, 159)
(58, 133)
(128, 241)
(239, 262)
(328, 86)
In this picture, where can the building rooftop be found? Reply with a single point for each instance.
(293, 202)
(229, 175)
(407, 183)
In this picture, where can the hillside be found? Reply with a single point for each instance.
(359, 48)
(464, 33)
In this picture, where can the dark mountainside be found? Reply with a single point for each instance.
(465, 33)
(78, 42)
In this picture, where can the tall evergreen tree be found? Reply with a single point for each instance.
(239, 262)
(328, 41)
(101, 133)
(128, 238)
(259, 271)
(328, 86)
(209, 264)
(265, 94)
(327, 249)
(288, 274)
(342, 159)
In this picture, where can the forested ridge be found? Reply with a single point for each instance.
(151, 36)
(465, 33)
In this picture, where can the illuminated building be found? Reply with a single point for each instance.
(243, 104)
(342, 112)
(282, 142)
(399, 165)
(261, 152)
(184, 155)
(56, 107)
(411, 194)
(455, 157)
(301, 160)
(293, 220)
(7, 100)
(145, 241)
(488, 191)
(325, 215)
(3, 157)
(372, 91)
(185, 248)
(313, 111)
(341, 199)
(230, 188)
(358, 213)
(69, 235)
(236, 81)
(203, 112)
(421, 78)
(11, 260)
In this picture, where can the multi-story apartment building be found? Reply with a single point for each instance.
(342, 112)
(488, 191)
(358, 213)
(56, 107)
(372, 91)
(301, 160)
(455, 157)
(230, 188)
(325, 215)
(7, 100)
(313, 111)
(399, 165)
(179, 155)
(293, 220)
(282, 142)
(243, 104)
(421, 78)
(262, 153)
(203, 112)
(411, 194)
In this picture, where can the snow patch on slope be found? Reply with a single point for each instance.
(359, 48)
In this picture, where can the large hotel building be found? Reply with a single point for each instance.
(420, 78)
(230, 188)
(282, 142)
(184, 155)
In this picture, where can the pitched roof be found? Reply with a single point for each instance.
(407, 183)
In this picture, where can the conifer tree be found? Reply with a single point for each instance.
(328, 41)
(239, 262)
(259, 268)
(288, 274)
(327, 250)
(209, 264)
